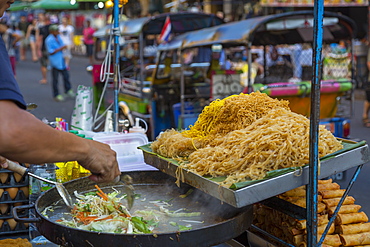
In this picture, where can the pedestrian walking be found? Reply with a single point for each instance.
(10, 38)
(43, 32)
(55, 46)
(32, 33)
(18, 44)
(66, 32)
(88, 40)
(23, 26)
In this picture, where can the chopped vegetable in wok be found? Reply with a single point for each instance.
(102, 212)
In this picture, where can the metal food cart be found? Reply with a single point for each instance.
(290, 35)
(138, 50)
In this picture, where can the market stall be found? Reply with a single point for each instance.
(278, 61)
(276, 142)
(137, 54)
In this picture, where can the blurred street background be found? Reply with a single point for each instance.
(28, 77)
(28, 73)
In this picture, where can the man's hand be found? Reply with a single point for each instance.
(101, 161)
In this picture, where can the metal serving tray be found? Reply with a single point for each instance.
(257, 241)
(266, 188)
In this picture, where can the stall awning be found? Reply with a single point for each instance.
(54, 5)
(289, 27)
(181, 22)
(19, 6)
(90, 1)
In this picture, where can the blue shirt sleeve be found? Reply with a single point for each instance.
(51, 44)
(56, 60)
(9, 89)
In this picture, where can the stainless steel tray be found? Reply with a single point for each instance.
(257, 241)
(266, 188)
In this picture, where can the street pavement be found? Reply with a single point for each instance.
(28, 76)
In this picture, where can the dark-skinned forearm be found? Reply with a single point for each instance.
(24, 138)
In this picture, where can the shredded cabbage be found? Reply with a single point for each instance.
(107, 214)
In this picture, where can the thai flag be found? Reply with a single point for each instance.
(166, 31)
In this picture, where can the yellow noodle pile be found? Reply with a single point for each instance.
(243, 137)
(277, 140)
(216, 120)
(173, 144)
(232, 113)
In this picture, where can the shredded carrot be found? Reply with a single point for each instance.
(85, 218)
(101, 194)
(74, 209)
(124, 215)
(106, 218)
(98, 188)
(87, 221)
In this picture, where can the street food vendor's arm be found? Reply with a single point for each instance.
(24, 138)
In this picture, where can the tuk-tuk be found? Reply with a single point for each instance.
(138, 50)
(271, 54)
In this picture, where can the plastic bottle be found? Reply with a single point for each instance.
(75, 170)
(137, 128)
(36, 188)
(108, 127)
(61, 172)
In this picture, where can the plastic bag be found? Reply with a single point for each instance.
(82, 116)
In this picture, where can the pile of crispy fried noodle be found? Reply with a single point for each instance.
(243, 137)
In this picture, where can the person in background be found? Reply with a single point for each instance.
(66, 32)
(10, 38)
(366, 108)
(55, 46)
(43, 32)
(18, 44)
(32, 32)
(296, 51)
(41, 143)
(23, 26)
(88, 40)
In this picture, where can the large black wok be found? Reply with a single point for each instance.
(222, 222)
